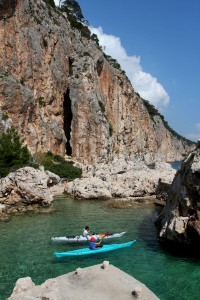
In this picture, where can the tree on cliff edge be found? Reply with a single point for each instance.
(72, 6)
(75, 17)
(50, 2)
(13, 154)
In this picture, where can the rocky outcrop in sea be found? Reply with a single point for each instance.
(179, 221)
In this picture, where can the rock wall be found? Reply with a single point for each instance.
(180, 219)
(63, 96)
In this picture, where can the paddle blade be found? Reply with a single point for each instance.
(107, 233)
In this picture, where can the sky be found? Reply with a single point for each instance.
(157, 43)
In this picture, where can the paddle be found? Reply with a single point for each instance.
(106, 234)
(102, 235)
(98, 244)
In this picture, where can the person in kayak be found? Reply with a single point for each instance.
(94, 245)
(86, 232)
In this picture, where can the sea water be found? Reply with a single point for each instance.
(26, 249)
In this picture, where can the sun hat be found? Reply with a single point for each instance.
(92, 239)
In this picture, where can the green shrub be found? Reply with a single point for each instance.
(113, 62)
(94, 37)
(72, 7)
(22, 81)
(4, 117)
(51, 3)
(102, 106)
(57, 165)
(45, 43)
(86, 54)
(154, 112)
(13, 155)
(40, 100)
(75, 17)
(110, 129)
(37, 20)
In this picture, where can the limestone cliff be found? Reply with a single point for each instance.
(62, 95)
(180, 219)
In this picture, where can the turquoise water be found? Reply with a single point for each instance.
(26, 250)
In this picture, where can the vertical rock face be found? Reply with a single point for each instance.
(180, 219)
(62, 95)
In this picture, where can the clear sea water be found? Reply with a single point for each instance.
(26, 250)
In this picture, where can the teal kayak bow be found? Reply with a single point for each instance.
(88, 251)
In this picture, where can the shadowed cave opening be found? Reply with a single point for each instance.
(7, 8)
(67, 110)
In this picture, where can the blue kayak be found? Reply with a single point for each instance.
(88, 251)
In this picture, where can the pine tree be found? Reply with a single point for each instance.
(50, 2)
(13, 154)
(73, 7)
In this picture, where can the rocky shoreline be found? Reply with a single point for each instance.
(132, 201)
(123, 183)
(122, 179)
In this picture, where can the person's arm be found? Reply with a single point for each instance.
(98, 243)
(89, 233)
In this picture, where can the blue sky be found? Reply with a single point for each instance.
(157, 43)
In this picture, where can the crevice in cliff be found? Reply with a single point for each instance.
(70, 66)
(7, 8)
(99, 66)
(67, 111)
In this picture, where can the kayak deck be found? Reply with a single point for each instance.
(82, 239)
(88, 251)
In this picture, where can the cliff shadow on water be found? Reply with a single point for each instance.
(191, 252)
(148, 230)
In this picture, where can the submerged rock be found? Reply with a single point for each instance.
(179, 221)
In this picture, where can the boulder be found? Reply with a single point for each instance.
(25, 187)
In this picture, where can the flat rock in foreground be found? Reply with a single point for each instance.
(99, 282)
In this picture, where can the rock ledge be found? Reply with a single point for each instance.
(99, 281)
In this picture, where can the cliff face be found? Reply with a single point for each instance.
(63, 96)
(180, 219)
